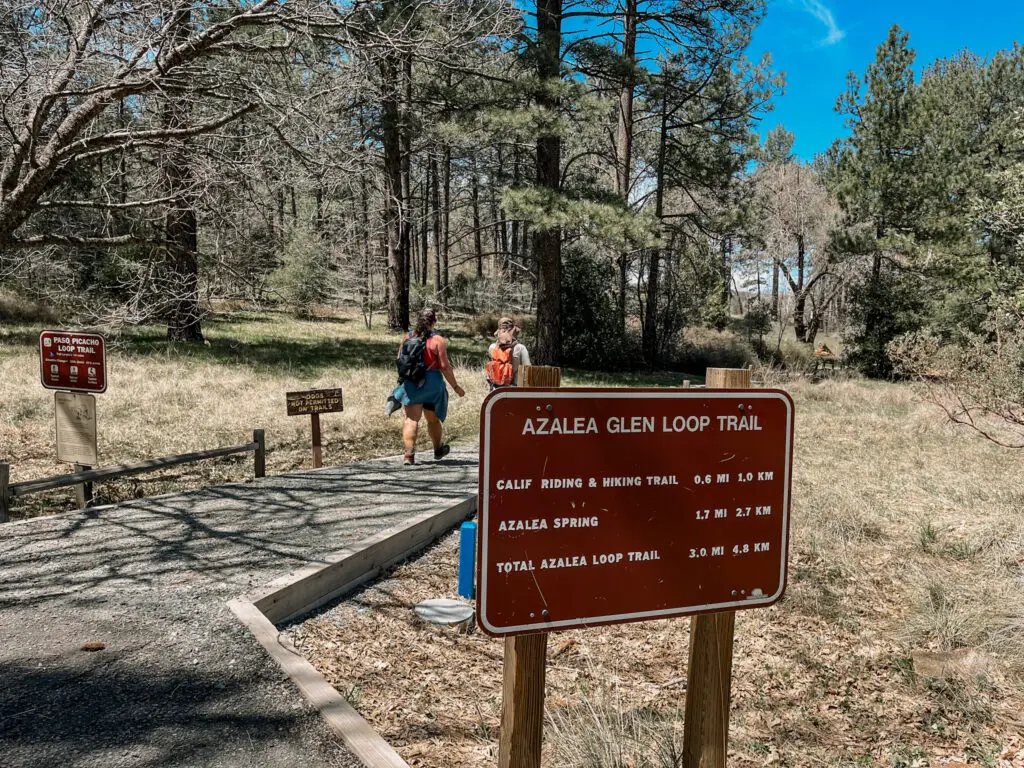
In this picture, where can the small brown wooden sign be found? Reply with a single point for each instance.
(605, 506)
(314, 401)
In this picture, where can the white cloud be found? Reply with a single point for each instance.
(818, 10)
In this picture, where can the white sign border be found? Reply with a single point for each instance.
(625, 394)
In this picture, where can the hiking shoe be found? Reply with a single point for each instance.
(409, 459)
(440, 453)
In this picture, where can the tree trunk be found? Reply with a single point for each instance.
(801, 254)
(279, 194)
(624, 138)
(436, 218)
(775, 290)
(547, 243)
(425, 228)
(478, 245)
(871, 316)
(496, 231)
(727, 270)
(406, 144)
(516, 233)
(649, 341)
(394, 217)
(799, 321)
(366, 287)
(318, 219)
(813, 327)
(446, 207)
(180, 225)
(503, 229)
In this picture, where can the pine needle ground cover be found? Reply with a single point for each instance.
(900, 641)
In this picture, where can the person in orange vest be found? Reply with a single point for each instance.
(506, 356)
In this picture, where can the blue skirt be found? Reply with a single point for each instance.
(432, 394)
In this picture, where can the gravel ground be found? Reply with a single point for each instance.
(179, 681)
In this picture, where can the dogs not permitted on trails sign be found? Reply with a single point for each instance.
(601, 506)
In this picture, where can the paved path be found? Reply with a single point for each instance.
(180, 683)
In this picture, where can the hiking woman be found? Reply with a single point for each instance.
(506, 356)
(430, 396)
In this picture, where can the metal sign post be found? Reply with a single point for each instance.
(314, 402)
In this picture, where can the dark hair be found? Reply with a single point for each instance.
(425, 321)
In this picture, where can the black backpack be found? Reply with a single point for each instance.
(411, 365)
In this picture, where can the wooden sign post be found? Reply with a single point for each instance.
(605, 506)
(540, 376)
(709, 677)
(525, 667)
(314, 402)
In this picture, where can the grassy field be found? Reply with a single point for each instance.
(165, 399)
(900, 641)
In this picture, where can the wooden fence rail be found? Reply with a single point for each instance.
(10, 491)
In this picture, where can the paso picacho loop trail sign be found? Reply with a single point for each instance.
(313, 402)
(72, 361)
(608, 506)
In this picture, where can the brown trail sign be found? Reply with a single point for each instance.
(72, 361)
(314, 402)
(608, 506)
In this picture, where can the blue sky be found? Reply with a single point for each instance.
(817, 42)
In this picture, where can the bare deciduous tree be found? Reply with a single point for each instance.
(796, 215)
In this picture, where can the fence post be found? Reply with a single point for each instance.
(260, 456)
(5, 477)
(318, 451)
(83, 492)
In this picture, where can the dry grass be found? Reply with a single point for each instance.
(907, 544)
(166, 399)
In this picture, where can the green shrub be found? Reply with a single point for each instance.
(697, 349)
(483, 325)
(306, 280)
(18, 310)
(592, 336)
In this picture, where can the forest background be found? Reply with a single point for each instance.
(595, 166)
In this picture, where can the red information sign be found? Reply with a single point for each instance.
(72, 361)
(603, 506)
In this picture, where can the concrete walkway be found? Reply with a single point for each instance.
(180, 682)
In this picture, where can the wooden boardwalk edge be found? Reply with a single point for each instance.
(303, 591)
(307, 589)
(357, 734)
